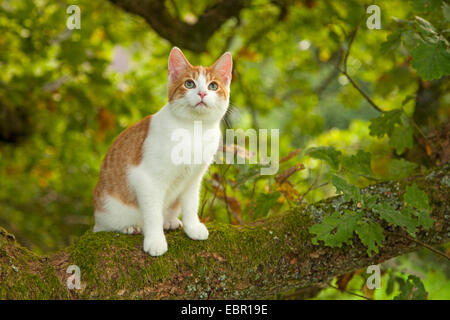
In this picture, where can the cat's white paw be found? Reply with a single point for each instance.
(197, 231)
(172, 224)
(155, 246)
(132, 230)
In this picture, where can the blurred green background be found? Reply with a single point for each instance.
(66, 94)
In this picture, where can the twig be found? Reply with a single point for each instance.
(423, 244)
(225, 198)
(350, 292)
(344, 71)
(312, 186)
(204, 202)
(284, 176)
(355, 85)
(224, 188)
(215, 193)
(291, 155)
(310, 189)
(175, 8)
(418, 129)
(352, 37)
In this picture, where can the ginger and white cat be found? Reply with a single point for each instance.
(140, 189)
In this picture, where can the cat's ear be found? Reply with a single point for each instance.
(177, 63)
(223, 67)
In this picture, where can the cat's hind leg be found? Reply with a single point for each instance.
(171, 214)
(132, 230)
(118, 217)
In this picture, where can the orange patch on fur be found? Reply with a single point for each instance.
(175, 205)
(126, 150)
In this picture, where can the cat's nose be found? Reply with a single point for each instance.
(202, 94)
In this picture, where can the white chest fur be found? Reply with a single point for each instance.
(178, 150)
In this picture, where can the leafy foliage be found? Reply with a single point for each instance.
(431, 61)
(264, 202)
(329, 154)
(401, 168)
(395, 125)
(417, 200)
(385, 123)
(411, 289)
(401, 218)
(351, 192)
(335, 229)
(359, 164)
(401, 138)
(371, 235)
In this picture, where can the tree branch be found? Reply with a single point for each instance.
(258, 260)
(194, 36)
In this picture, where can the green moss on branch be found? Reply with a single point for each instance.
(259, 260)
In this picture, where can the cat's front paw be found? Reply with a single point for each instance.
(197, 231)
(155, 246)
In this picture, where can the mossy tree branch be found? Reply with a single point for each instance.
(258, 260)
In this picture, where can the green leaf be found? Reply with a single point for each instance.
(411, 289)
(446, 11)
(426, 28)
(417, 199)
(398, 218)
(390, 284)
(359, 164)
(400, 168)
(423, 217)
(408, 98)
(385, 123)
(431, 61)
(425, 5)
(371, 235)
(336, 229)
(369, 201)
(410, 38)
(329, 154)
(264, 202)
(419, 293)
(392, 42)
(401, 138)
(351, 192)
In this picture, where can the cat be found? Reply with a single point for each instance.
(140, 189)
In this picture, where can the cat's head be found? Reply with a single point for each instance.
(196, 91)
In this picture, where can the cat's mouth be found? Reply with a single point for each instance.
(201, 103)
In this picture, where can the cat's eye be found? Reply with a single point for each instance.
(213, 86)
(189, 84)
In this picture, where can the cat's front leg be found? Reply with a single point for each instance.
(152, 213)
(150, 199)
(189, 207)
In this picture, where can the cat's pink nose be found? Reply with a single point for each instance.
(202, 94)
